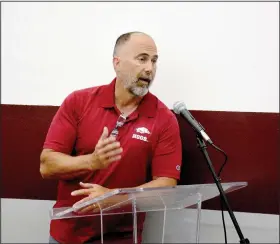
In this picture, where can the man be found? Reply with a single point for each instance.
(112, 136)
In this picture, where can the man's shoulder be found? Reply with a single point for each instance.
(81, 99)
(166, 118)
(163, 109)
(87, 94)
(88, 91)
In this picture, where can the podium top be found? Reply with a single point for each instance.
(128, 200)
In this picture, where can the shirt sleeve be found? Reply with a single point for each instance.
(62, 132)
(167, 156)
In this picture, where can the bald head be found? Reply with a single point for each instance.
(126, 37)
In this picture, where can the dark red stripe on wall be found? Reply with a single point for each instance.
(23, 132)
(251, 141)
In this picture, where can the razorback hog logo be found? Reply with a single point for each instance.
(143, 130)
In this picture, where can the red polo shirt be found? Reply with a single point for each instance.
(151, 145)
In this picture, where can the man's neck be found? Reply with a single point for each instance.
(125, 101)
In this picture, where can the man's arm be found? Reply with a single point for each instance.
(55, 159)
(167, 155)
(159, 182)
(57, 165)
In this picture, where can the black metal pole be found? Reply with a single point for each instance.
(203, 147)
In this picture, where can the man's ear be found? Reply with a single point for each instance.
(116, 61)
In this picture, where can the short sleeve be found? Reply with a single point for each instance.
(167, 156)
(62, 132)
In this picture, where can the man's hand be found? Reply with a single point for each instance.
(107, 150)
(95, 190)
(91, 191)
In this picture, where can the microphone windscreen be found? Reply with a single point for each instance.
(179, 106)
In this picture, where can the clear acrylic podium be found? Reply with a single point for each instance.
(164, 200)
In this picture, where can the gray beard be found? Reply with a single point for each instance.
(136, 90)
(139, 91)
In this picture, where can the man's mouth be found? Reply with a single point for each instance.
(144, 79)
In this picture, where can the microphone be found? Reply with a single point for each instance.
(180, 108)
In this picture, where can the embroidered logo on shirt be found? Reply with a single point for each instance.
(143, 130)
(142, 138)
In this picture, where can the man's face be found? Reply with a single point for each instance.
(136, 64)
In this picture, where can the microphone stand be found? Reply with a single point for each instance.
(217, 180)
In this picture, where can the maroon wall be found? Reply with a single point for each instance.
(251, 141)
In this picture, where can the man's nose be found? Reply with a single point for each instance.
(149, 67)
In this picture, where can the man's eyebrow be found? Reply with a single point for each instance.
(146, 54)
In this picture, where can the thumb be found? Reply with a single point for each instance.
(105, 133)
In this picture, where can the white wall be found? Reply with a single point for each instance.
(225, 53)
(214, 56)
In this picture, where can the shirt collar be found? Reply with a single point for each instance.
(147, 107)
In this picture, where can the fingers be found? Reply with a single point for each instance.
(112, 159)
(109, 147)
(84, 191)
(87, 209)
(92, 189)
(82, 201)
(105, 133)
(87, 185)
(110, 151)
(104, 139)
(104, 142)
(81, 192)
(107, 150)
